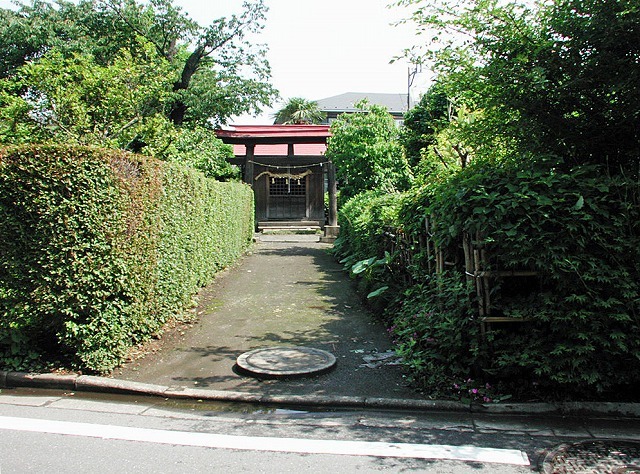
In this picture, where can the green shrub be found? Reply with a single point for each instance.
(362, 246)
(363, 221)
(434, 330)
(101, 248)
(199, 148)
(578, 229)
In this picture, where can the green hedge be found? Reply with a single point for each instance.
(363, 220)
(363, 240)
(579, 229)
(100, 248)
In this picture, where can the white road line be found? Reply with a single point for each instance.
(255, 443)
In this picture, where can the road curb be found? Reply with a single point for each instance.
(23, 379)
(90, 383)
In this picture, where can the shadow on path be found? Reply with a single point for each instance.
(283, 294)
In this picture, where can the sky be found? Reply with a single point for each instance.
(321, 48)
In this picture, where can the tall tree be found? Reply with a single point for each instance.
(77, 100)
(558, 79)
(218, 71)
(365, 150)
(299, 111)
(422, 122)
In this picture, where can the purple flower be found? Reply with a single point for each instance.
(474, 391)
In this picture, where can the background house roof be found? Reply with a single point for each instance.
(395, 103)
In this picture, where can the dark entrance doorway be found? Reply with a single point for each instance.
(287, 198)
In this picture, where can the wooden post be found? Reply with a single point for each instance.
(332, 229)
(428, 242)
(248, 164)
(333, 194)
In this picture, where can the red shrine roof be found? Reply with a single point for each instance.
(273, 140)
(299, 149)
(311, 133)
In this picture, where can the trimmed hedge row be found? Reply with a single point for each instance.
(100, 248)
(580, 230)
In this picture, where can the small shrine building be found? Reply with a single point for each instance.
(287, 168)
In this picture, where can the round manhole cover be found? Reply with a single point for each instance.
(286, 361)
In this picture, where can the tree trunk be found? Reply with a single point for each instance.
(179, 108)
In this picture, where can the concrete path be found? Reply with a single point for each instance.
(288, 292)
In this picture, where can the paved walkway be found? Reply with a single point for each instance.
(288, 292)
(291, 292)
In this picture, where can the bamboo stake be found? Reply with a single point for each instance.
(486, 285)
(428, 240)
(468, 262)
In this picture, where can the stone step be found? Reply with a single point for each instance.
(289, 224)
(290, 230)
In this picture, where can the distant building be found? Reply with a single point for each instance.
(396, 104)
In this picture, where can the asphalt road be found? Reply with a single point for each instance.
(58, 432)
